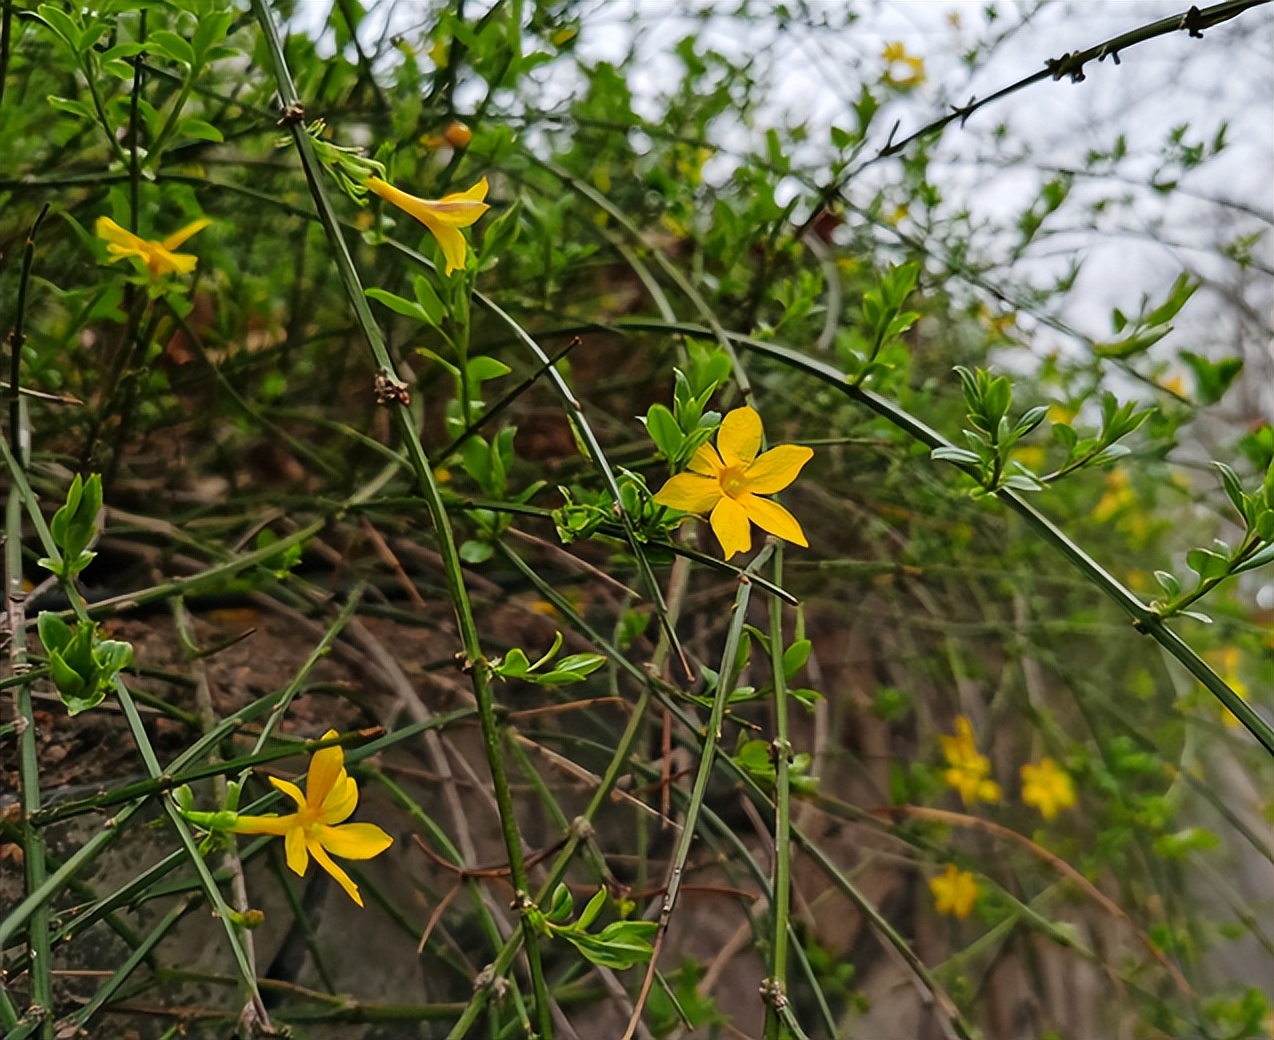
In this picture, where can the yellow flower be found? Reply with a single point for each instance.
(158, 257)
(1225, 662)
(1118, 496)
(443, 217)
(330, 797)
(1048, 787)
(954, 892)
(969, 769)
(896, 54)
(727, 480)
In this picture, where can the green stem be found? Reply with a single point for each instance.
(476, 663)
(776, 986)
(38, 945)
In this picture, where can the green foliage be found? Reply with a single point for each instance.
(74, 528)
(83, 665)
(467, 451)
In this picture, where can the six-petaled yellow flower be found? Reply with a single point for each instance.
(443, 217)
(1048, 787)
(330, 797)
(158, 257)
(727, 481)
(969, 770)
(954, 892)
(895, 54)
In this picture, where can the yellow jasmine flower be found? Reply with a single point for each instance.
(1048, 787)
(330, 797)
(1225, 662)
(158, 257)
(1117, 497)
(443, 217)
(728, 479)
(969, 770)
(954, 892)
(896, 54)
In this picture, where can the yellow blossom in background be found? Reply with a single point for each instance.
(954, 892)
(727, 480)
(158, 257)
(1047, 787)
(895, 54)
(1225, 662)
(1118, 496)
(969, 770)
(330, 797)
(443, 217)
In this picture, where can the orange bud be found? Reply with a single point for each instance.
(458, 135)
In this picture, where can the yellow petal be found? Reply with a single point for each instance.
(189, 231)
(458, 210)
(706, 461)
(342, 878)
(772, 517)
(341, 802)
(291, 790)
(776, 469)
(276, 825)
(165, 262)
(298, 856)
(739, 438)
(731, 526)
(110, 231)
(463, 207)
(354, 840)
(689, 492)
(326, 768)
(455, 250)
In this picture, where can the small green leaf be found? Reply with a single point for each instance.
(594, 907)
(484, 368)
(472, 551)
(55, 633)
(168, 43)
(514, 666)
(199, 129)
(395, 303)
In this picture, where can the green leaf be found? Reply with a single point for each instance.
(406, 308)
(1207, 564)
(594, 907)
(620, 945)
(199, 129)
(484, 368)
(950, 453)
(430, 303)
(79, 108)
(62, 24)
(472, 551)
(514, 666)
(169, 44)
(795, 656)
(664, 431)
(562, 905)
(55, 633)
(68, 681)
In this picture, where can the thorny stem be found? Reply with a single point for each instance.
(777, 1009)
(38, 945)
(479, 668)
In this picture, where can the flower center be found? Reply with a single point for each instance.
(733, 481)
